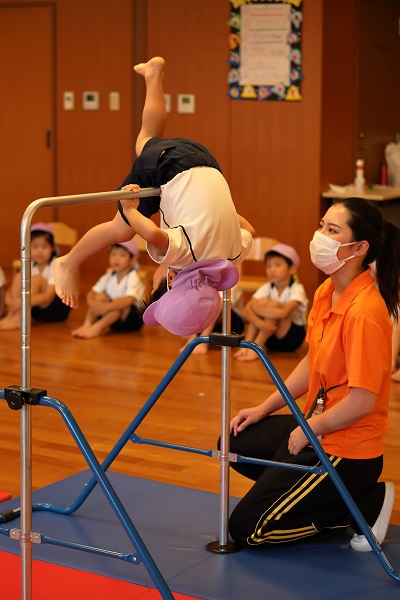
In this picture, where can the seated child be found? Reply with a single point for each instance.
(237, 323)
(114, 300)
(46, 306)
(198, 221)
(3, 287)
(276, 313)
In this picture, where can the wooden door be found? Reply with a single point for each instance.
(379, 68)
(26, 118)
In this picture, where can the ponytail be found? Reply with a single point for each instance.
(388, 267)
(366, 223)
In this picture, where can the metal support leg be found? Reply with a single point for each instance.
(223, 545)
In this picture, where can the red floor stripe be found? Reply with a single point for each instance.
(52, 581)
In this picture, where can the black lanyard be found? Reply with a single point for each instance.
(319, 400)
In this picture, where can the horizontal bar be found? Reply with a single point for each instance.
(139, 440)
(74, 199)
(131, 558)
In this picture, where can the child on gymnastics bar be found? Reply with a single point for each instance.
(201, 237)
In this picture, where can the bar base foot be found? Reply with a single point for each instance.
(223, 549)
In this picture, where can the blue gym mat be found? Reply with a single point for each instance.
(176, 524)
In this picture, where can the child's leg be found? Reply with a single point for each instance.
(100, 326)
(246, 354)
(283, 327)
(66, 267)
(154, 113)
(201, 349)
(39, 285)
(12, 320)
(90, 318)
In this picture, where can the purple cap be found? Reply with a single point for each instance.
(193, 303)
(46, 227)
(286, 251)
(131, 246)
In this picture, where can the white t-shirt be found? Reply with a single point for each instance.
(130, 285)
(199, 216)
(295, 291)
(47, 272)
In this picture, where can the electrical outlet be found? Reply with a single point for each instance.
(68, 100)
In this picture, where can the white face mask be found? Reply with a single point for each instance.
(323, 251)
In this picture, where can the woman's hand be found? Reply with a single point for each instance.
(297, 441)
(246, 417)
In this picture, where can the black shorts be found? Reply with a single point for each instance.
(237, 324)
(160, 161)
(133, 321)
(55, 312)
(291, 342)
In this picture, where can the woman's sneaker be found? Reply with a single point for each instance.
(380, 527)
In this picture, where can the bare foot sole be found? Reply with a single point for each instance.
(153, 68)
(65, 280)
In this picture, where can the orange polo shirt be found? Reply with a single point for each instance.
(350, 345)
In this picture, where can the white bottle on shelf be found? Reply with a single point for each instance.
(359, 181)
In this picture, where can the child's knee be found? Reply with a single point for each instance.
(102, 297)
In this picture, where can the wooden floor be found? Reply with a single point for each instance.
(105, 381)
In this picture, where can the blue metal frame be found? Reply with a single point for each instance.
(129, 435)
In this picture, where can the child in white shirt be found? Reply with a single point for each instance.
(114, 300)
(277, 312)
(46, 306)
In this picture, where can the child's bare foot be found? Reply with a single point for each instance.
(92, 331)
(65, 281)
(245, 355)
(10, 322)
(200, 350)
(152, 68)
(188, 340)
(79, 331)
(395, 375)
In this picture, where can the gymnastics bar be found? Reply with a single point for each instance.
(226, 341)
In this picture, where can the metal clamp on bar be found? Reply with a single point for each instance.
(16, 396)
(232, 456)
(225, 339)
(35, 538)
